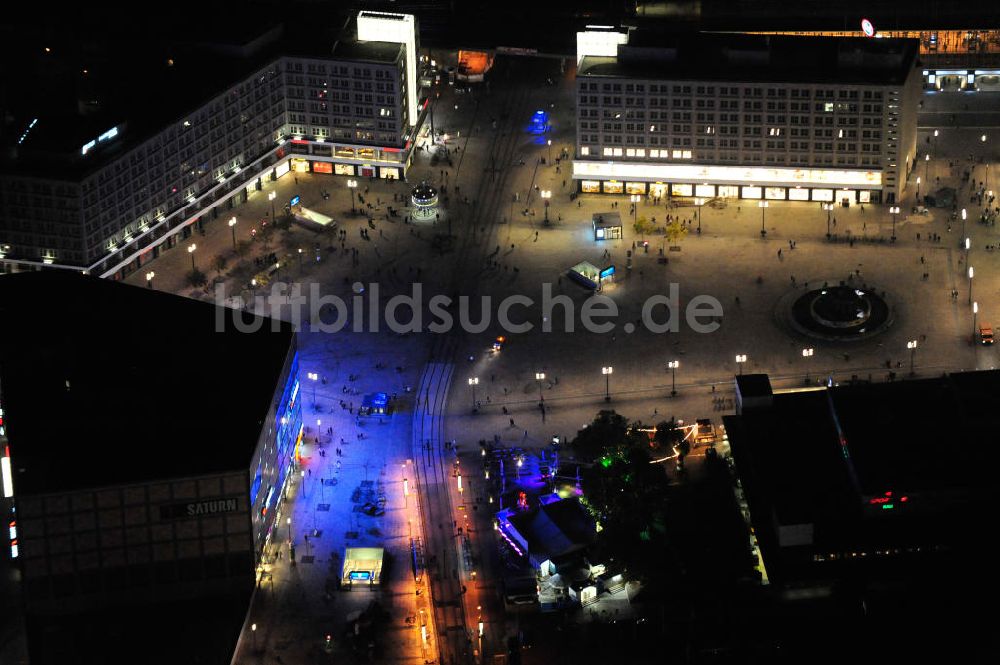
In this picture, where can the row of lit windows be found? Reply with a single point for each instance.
(682, 89)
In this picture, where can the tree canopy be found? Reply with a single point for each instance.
(626, 494)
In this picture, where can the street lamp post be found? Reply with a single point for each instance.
(232, 227)
(807, 353)
(927, 168)
(539, 377)
(300, 260)
(270, 197)
(352, 185)
(314, 377)
(894, 211)
(963, 222)
(149, 278)
(986, 182)
(699, 202)
(975, 314)
(635, 198)
(918, 190)
(763, 205)
(546, 195)
(191, 249)
(673, 365)
(741, 359)
(606, 371)
(253, 631)
(972, 273)
(935, 141)
(473, 382)
(829, 210)
(912, 346)
(549, 144)
(289, 523)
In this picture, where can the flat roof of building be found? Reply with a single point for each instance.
(823, 457)
(106, 384)
(176, 76)
(757, 58)
(383, 52)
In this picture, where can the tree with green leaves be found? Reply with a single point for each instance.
(643, 226)
(676, 231)
(625, 493)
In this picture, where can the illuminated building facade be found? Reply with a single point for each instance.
(743, 116)
(126, 192)
(163, 476)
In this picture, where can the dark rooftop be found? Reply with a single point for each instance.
(556, 528)
(764, 58)
(105, 383)
(831, 458)
(373, 51)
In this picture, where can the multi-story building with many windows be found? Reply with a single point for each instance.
(139, 477)
(726, 115)
(107, 190)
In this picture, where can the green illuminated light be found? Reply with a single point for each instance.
(605, 462)
(887, 506)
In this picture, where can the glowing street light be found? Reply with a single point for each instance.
(352, 185)
(699, 202)
(270, 197)
(807, 353)
(607, 371)
(963, 221)
(253, 631)
(149, 278)
(191, 249)
(829, 210)
(972, 273)
(741, 359)
(894, 211)
(673, 365)
(549, 143)
(539, 377)
(918, 189)
(232, 227)
(473, 382)
(975, 314)
(763, 205)
(314, 377)
(546, 195)
(635, 198)
(986, 182)
(459, 477)
(289, 523)
(927, 166)
(912, 346)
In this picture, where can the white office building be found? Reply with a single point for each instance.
(745, 116)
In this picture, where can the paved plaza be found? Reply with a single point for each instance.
(502, 247)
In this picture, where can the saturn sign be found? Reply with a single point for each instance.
(867, 28)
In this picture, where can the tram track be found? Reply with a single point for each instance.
(450, 616)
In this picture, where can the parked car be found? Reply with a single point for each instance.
(985, 334)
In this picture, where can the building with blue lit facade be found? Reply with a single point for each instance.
(138, 476)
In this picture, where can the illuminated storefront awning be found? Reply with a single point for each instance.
(695, 173)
